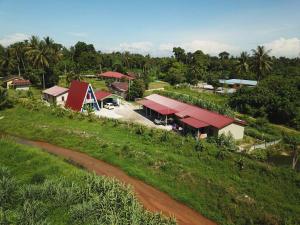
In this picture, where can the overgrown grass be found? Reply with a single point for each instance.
(227, 187)
(37, 188)
(96, 83)
(158, 84)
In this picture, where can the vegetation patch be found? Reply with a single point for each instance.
(211, 177)
(36, 188)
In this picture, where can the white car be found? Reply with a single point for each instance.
(109, 106)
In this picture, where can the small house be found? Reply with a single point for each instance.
(120, 88)
(115, 76)
(81, 97)
(56, 95)
(21, 84)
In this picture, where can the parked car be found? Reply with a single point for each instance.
(159, 122)
(109, 106)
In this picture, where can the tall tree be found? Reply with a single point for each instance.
(243, 63)
(179, 54)
(224, 55)
(262, 62)
(293, 142)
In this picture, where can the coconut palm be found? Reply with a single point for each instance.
(40, 57)
(43, 53)
(261, 61)
(18, 51)
(73, 76)
(243, 63)
(6, 61)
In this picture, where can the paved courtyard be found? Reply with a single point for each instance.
(129, 112)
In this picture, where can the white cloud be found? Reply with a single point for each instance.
(284, 47)
(143, 47)
(12, 38)
(78, 34)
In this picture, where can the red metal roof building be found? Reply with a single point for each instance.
(193, 116)
(100, 95)
(115, 75)
(81, 95)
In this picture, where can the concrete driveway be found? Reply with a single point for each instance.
(129, 112)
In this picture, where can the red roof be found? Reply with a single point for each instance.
(76, 95)
(185, 110)
(116, 75)
(55, 91)
(100, 95)
(194, 122)
(21, 82)
(157, 107)
(120, 86)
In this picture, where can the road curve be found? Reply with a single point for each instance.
(152, 199)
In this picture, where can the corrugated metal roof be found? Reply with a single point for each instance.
(185, 110)
(164, 110)
(239, 81)
(116, 75)
(56, 91)
(100, 95)
(194, 122)
(76, 95)
(120, 86)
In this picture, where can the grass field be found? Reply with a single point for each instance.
(97, 84)
(219, 188)
(158, 84)
(38, 188)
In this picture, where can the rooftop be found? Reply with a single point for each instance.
(120, 86)
(239, 81)
(100, 95)
(56, 91)
(183, 110)
(115, 75)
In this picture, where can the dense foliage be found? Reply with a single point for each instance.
(276, 98)
(56, 193)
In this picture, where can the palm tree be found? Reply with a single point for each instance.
(18, 50)
(261, 61)
(40, 57)
(73, 76)
(6, 61)
(43, 53)
(243, 65)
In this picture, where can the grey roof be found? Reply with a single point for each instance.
(239, 81)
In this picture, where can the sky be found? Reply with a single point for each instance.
(156, 26)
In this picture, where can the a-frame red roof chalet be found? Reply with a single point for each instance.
(81, 96)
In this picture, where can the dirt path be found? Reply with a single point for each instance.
(152, 199)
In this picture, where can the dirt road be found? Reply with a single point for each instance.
(152, 199)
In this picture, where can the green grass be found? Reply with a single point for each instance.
(158, 84)
(97, 84)
(216, 188)
(46, 188)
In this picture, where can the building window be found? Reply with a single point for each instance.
(63, 98)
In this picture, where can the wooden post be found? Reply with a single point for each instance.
(166, 119)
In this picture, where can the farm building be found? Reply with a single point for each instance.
(237, 83)
(16, 82)
(21, 84)
(120, 88)
(201, 121)
(81, 97)
(115, 75)
(56, 95)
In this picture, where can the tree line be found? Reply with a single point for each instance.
(43, 61)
